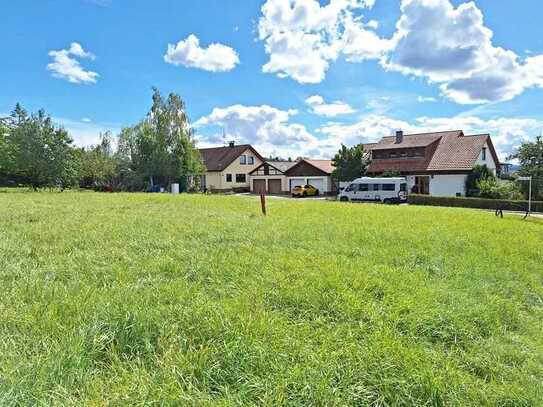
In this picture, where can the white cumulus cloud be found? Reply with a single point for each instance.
(66, 66)
(320, 107)
(215, 58)
(302, 37)
(449, 46)
(452, 47)
(267, 128)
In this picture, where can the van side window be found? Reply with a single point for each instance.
(389, 187)
(403, 187)
(376, 187)
(363, 187)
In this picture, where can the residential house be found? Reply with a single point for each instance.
(280, 177)
(228, 167)
(435, 163)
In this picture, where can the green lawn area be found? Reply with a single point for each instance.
(200, 300)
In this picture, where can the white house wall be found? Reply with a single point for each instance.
(489, 162)
(448, 185)
(443, 185)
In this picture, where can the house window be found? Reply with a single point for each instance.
(228, 177)
(250, 160)
(484, 153)
(243, 159)
(393, 154)
(240, 178)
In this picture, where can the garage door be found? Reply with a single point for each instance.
(317, 183)
(274, 186)
(294, 182)
(259, 186)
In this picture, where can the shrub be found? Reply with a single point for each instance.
(493, 188)
(476, 203)
(479, 173)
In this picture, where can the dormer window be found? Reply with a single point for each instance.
(243, 159)
(484, 154)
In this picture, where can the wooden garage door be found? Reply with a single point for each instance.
(259, 186)
(274, 186)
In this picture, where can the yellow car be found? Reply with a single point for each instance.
(304, 190)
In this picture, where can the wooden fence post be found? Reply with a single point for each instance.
(263, 203)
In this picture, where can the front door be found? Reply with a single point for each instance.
(422, 185)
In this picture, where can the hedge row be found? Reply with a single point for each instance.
(479, 203)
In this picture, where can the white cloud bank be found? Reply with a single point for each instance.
(320, 108)
(272, 131)
(267, 128)
(189, 53)
(66, 66)
(434, 40)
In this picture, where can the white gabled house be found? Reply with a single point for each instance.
(434, 163)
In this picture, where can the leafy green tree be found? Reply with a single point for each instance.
(479, 172)
(100, 166)
(161, 148)
(530, 157)
(350, 163)
(41, 154)
(6, 163)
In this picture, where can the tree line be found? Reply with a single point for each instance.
(158, 150)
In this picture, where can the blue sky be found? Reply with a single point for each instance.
(292, 77)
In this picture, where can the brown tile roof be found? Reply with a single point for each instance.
(445, 151)
(323, 165)
(218, 158)
(414, 140)
(457, 153)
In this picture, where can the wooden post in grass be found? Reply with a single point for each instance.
(263, 203)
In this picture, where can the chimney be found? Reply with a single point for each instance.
(231, 143)
(399, 136)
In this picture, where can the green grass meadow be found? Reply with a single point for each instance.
(116, 299)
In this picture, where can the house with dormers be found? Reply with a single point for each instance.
(228, 167)
(436, 163)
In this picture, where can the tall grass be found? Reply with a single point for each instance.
(200, 300)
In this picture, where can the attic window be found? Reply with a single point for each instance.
(250, 160)
(243, 159)
(484, 154)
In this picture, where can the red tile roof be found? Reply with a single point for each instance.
(219, 158)
(444, 151)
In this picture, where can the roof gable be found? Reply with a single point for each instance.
(311, 167)
(281, 166)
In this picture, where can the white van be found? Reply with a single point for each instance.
(365, 189)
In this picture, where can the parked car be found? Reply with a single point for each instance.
(386, 190)
(304, 190)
